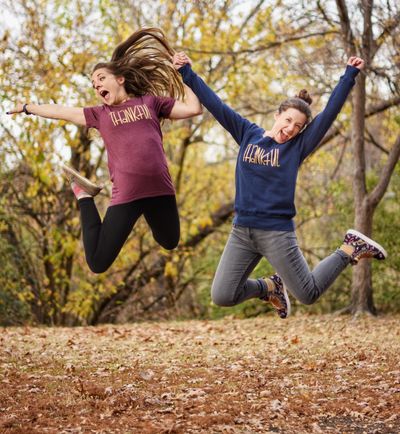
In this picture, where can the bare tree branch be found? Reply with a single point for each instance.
(386, 173)
(346, 27)
(382, 106)
(391, 81)
(251, 15)
(261, 47)
(340, 159)
(370, 111)
(324, 14)
(394, 22)
(375, 142)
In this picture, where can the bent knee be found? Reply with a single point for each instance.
(170, 246)
(306, 293)
(221, 298)
(307, 301)
(98, 268)
(306, 298)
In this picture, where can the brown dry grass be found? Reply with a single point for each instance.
(323, 374)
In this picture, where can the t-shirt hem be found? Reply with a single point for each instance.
(267, 224)
(141, 196)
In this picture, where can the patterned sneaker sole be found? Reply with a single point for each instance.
(83, 182)
(280, 288)
(288, 306)
(369, 241)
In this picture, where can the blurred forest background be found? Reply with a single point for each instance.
(254, 54)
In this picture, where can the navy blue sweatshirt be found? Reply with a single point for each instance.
(266, 171)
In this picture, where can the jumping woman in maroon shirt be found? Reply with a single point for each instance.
(137, 88)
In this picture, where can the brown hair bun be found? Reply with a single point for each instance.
(305, 96)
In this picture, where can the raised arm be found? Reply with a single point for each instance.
(317, 129)
(188, 108)
(51, 111)
(235, 124)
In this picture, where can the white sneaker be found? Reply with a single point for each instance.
(86, 185)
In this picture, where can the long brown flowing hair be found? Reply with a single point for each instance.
(144, 60)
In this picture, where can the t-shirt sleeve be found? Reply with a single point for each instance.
(163, 105)
(92, 115)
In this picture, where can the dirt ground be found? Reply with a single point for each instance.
(320, 374)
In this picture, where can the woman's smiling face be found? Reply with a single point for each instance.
(288, 124)
(109, 88)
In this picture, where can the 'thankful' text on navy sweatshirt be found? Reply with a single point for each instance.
(266, 171)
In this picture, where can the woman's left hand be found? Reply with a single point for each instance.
(357, 62)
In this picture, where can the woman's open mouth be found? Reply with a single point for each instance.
(104, 93)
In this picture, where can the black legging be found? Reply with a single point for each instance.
(104, 240)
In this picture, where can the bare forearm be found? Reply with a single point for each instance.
(52, 111)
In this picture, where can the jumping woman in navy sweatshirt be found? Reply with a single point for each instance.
(266, 173)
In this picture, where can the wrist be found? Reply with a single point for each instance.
(352, 70)
(25, 110)
(182, 69)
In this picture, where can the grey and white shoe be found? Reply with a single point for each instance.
(363, 246)
(84, 183)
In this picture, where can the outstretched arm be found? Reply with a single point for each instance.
(51, 111)
(188, 108)
(235, 124)
(317, 129)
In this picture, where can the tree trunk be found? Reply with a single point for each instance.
(362, 294)
(361, 297)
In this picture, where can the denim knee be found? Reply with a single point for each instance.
(307, 296)
(221, 297)
(308, 299)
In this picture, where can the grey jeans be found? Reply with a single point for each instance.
(245, 248)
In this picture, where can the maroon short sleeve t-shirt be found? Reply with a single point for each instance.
(132, 135)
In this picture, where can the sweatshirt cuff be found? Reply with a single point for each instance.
(186, 72)
(352, 71)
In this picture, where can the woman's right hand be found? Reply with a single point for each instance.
(19, 108)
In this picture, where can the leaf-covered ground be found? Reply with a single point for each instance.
(325, 374)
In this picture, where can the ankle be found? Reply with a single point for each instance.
(270, 284)
(348, 249)
(83, 196)
(79, 192)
